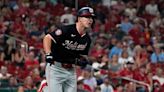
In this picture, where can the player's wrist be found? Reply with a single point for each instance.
(48, 53)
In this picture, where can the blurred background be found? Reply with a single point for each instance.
(127, 52)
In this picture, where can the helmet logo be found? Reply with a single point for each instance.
(90, 10)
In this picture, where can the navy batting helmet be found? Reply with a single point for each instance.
(86, 12)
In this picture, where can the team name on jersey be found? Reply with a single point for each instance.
(74, 45)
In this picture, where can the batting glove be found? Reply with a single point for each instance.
(49, 58)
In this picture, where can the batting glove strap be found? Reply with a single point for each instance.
(49, 58)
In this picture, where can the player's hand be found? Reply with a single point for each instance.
(49, 58)
(82, 63)
(84, 57)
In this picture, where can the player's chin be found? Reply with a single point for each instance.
(88, 26)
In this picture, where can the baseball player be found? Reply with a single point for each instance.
(63, 49)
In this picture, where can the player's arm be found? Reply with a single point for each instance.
(84, 59)
(85, 53)
(47, 41)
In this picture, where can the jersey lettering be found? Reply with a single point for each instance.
(74, 45)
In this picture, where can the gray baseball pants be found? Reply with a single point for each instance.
(60, 79)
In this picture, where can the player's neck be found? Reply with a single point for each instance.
(80, 28)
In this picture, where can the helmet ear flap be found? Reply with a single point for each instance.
(77, 20)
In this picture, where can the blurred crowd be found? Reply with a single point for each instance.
(127, 52)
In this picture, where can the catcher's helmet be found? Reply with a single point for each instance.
(86, 12)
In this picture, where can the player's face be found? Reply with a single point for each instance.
(86, 21)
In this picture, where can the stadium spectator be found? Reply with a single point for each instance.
(13, 82)
(36, 34)
(106, 86)
(35, 75)
(98, 26)
(4, 74)
(9, 49)
(131, 10)
(100, 14)
(27, 85)
(67, 18)
(113, 65)
(97, 50)
(116, 50)
(156, 22)
(124, 58)
(31, 62)
(142, 75)
(112, 43)
(140, 55)
(97, 89)
(113, 18)
(127, 46)
(119, 88)
(152, 8)
(126, 24)
(89, 79)
(18, 29)
(128, 70)
(104, 62)
(119, 34)
(18, 57)
(119, 6)
(135, 31)
(81, 87)
(157, 56)
(158, 77)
